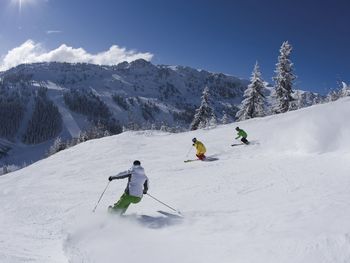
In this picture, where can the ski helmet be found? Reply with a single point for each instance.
(137, 162)
(194, 139)
(237, 128)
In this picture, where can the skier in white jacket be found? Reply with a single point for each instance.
(136, 188)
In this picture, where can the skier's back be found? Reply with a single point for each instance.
(136, 187)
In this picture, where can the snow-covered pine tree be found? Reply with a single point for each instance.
(83, 137)
(224, 119)
(253, 104)
(317, 99)
(164, 127)
(97, 130)
(306, 99)
(333, 95)
(284, 78)
(57, 146)
(213, 121)
(106, 133)
(204, 113)
(345, 90)
(4, 169)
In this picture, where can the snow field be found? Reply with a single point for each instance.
(285, 198)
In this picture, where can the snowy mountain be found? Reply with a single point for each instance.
(45, 100)
(284, 198)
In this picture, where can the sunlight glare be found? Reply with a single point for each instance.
(21, 3)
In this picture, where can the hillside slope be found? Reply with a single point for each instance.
(285, 198)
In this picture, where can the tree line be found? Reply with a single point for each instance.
(45, 122)
(254, 102)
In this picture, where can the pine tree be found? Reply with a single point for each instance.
(333, 95)
(45, 122)
(204, 113)
(213, 121)
(106, 133)
(164, 127)
(283, 80)
(224, 119)
(345, 90)
(317, 100)
(83, 137)
(5, 169)
(253, 104)
(57, 146)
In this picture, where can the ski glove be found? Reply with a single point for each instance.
(110, 178)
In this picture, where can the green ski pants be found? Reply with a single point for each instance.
(125, 200)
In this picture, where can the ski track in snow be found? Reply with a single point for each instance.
(69, 122)
(119, 78)
(67, 118)
(259, 203)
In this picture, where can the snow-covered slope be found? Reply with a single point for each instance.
(284, 198)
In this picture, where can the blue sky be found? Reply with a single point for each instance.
(220, 36)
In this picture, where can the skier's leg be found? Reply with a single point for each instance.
(200, 156)
(244, 140)
(134, 199)
(122, 205)
(124, 202)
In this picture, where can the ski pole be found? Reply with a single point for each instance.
(189, 151)
(101, 197)
(164, 204)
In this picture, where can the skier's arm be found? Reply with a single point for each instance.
(121, 175)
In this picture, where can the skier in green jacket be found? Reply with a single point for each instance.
(243, 134)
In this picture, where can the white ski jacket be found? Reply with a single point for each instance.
(137, 183)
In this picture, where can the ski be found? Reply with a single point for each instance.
(207, 159)
(237, 144)
(192, 160)
(210, 159)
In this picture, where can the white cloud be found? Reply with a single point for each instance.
(31, 52)
(53, 32)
